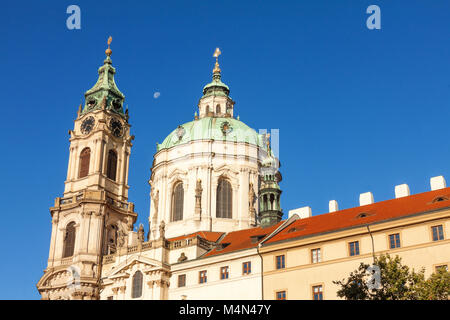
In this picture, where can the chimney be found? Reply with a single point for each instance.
(304, 212)
(333, 206)
(437, 183)
(402, 190)
(365, 198)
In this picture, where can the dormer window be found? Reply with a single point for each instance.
(440, 198)
(256, 239)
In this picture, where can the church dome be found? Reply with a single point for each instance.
(216, 128)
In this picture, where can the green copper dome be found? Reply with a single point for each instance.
(222, 129)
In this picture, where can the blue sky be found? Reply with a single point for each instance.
(358, 110)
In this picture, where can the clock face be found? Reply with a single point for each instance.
(87, 125)
(116, 127)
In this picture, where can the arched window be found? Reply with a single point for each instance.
(85, 157)
(136, 290)
(224, 197)
(265, 206)
(272, 199)
(207, 110)
(111, 167)
(69, 240)
(177, 202)
(218, 109)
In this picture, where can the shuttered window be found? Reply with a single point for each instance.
(85, 157)
(111, 167)
(69, 240)
(177, 202)
(224, 199)
(136, 291)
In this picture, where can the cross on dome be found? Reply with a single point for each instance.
(216, 55)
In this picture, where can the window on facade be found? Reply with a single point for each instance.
(354, 248)
(316, 256)
(224, 273)
(443, 267)
(111, 167)
(136, 290)
(394, 241)
(177, 202)
(202, 276)
(181, 280)
(280, 260)
(281, 295)
(317, 293)
(110, 298)
(224, 199)
(438, 233)
(85, 157)
(69, 240)
(218, 109)
(247, 267)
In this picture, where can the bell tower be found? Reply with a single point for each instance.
(270, 211)
(93, 217)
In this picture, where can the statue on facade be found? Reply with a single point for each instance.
(198, 197)
(251, 198)
(155, 201)
(182, 257)
(141, 233)
(130, 224)
(121, 238)
(162, 228)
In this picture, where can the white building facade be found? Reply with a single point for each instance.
(205, 182)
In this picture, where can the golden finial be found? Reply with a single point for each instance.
(109, 51)
(216, 55)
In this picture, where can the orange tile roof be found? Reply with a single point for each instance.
(376, 212)
(242, 239)
(207, 235)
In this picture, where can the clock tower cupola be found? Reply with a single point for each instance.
(93, 217)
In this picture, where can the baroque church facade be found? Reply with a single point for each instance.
(206, 176)
(215, 226)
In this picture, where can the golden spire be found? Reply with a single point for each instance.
(109, 51)
(216, 55)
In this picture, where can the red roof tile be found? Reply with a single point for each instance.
(242, 239)
(207, 235)
(372, 213)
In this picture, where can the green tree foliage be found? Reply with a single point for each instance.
(397, 282)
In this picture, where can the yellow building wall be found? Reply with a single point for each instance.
(417, 250)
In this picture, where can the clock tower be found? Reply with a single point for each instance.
(93, 217)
